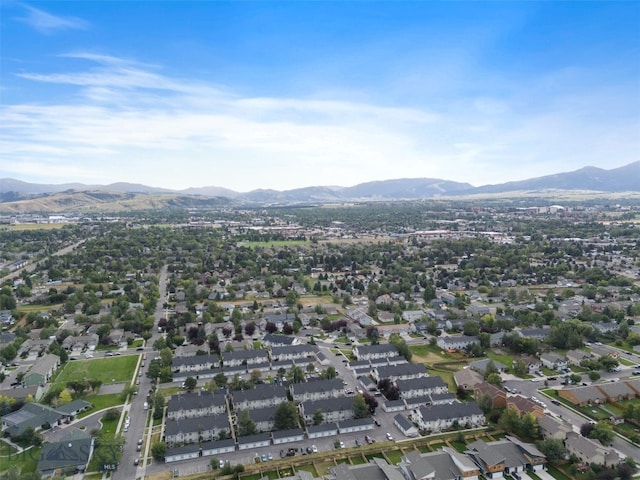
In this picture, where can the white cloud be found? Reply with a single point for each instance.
(48, 23)
(129, 122)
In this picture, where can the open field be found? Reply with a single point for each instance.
(107, 370)
(33, 226)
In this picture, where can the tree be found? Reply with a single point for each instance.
(166, 356)
(471, 328)
(360, 408)
(528, 426)
(371, 402)
(246, 426)
(64, 397)
(603, 432)
(270, 327)
(400, 344)
(318, 417)
(296, 375)
(575, 378)
(159, 450)
(593, 375)
(552, 448)
(286, 416)
(329, 372)
(157, 402)
(520, 368)
(485, 402)
(586, 429)
(190, 383)
(250, 328)
(494, 379)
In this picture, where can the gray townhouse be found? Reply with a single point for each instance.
(539, 334)
(458, 342)
(42, 370)
(293, 352)
(374, 352)
(195, 429)
(405, 371)
(420, 387)
(196, 404)
(333, 409)
(271, 339)
(195, 363)
(263, 395)
(241, 358)
(441, 417)
(264, 418)
(316, 390)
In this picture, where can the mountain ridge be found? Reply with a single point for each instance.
(15, 195)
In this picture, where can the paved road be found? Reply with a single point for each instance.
(139, 417)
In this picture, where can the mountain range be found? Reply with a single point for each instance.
(22, 197)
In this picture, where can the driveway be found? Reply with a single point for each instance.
(544, 475)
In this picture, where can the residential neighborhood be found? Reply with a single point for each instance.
(208, 347)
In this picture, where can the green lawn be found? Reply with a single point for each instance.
(26, 461)
(555, 473)
(107, 370)
(277, 243)
(6, 449)
(100, 402)
(446, 376)
(503, 358)
(394, 456)
(425, 349)
(626, 362)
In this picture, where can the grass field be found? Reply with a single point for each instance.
(116, 369)
(34, 226)
(26, 461)
(277, 244)
(101, 402)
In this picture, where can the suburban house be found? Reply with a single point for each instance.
(481, 366)
(524, 405)
(195, 404)
(445, 464)
(590, 451)
(553, 361)
(532, 364)
(42, 370)
(498, 396)
(539, 334)
(552, 427)
(333, 409)
(70, 455)
(582, 396)
(33, 415)
(316, 390)
(261, 396)
(574, 357)
(467, 378)
(509, 455)
(441, 417)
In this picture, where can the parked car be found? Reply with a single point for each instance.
(389, 437)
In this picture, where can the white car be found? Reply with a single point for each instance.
(389, 437)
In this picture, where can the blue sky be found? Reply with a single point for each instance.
(289, 94)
